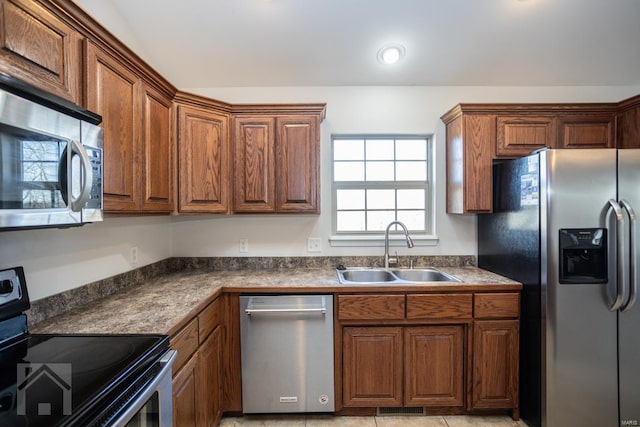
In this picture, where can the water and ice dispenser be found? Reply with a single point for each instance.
(583, 256)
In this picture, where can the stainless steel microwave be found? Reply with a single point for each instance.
(50, 160)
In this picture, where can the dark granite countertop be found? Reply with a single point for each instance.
(165, 303)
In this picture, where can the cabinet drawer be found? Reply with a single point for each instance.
(489, 306)
(208, 319)
(186, 342)
(439, 306)
(371, 307)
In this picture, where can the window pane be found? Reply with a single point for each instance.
(411, 149)
(350, 199)
(381, 199)
(350, 221)
(379, 149)
(411, 199)
(414, 220)
(378, 179)
(348, 149)
(348, 171)
(378, 220)
(379, 171)
(411, 171)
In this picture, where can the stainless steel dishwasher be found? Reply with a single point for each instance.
(287, 353)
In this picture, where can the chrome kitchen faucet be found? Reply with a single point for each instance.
(394, 259)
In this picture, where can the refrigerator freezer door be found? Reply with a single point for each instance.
(629, 320)
(579, 365)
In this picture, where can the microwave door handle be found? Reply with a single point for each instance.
(620, 282)
(63, 175)
(87, 177)
(633, 260)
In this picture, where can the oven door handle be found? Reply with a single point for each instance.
(166, 414)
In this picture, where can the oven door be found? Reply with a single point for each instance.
(45, 172)
(153, 405)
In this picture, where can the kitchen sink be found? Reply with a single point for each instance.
(372, 276)
(366, 276)
(423, 275)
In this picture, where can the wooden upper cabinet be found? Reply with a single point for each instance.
(586, 131)
(297, 164)
(254, 160)
(204, 152)
(157, 151)
(113, 91)
(138, 135)
(520, 135)
(628, 124)
(469, 162)
(478, 134)
(40, 49)
(277, 163)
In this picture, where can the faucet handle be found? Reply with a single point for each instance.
(394, 259)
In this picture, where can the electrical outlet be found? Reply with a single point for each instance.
(243, 246)
(314, 244)
(134, 255)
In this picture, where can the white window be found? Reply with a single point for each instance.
(378, 179)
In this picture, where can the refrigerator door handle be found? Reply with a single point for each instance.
(633, 260)
(620, 282)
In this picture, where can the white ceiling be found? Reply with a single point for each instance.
(228, 43)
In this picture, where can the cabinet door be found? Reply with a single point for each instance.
(204, 174)
(587, 131)
(209, 398)
(434, 366)
(520, 135)
(157, 152)
(495, 364)
(254, 171)
(38, 48)
(113, 91)
(184, 395)
(469, 164)
(372, 366)
(297, 165)
(628, 128)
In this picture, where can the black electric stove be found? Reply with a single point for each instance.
(64, 380)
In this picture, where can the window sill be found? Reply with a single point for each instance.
(378, 241)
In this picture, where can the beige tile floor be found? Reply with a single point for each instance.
(385, 421)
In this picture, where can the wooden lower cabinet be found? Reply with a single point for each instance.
(434, 366)
(209, 380)
(198, 375)
(372, 366)
(184, 395)
(403, 366)
(495, 364)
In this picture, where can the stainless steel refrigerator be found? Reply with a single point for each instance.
(564, 226)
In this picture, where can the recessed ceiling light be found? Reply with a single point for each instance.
(390, 54)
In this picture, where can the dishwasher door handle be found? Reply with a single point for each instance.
(251, 311)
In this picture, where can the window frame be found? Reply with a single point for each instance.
(374, 238)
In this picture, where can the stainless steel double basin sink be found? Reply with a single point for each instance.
(392, 276)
